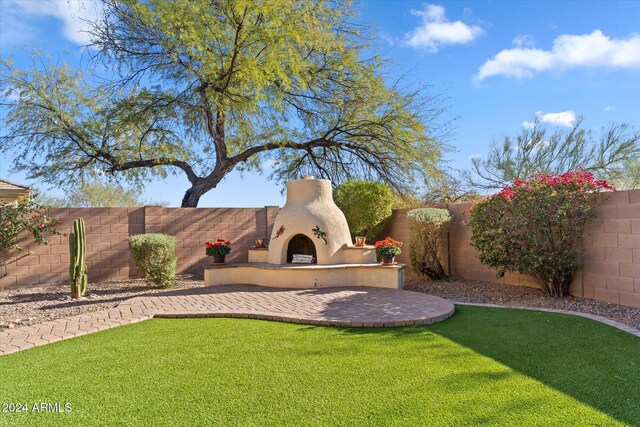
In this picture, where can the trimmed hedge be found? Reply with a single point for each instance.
(155, 255)
(427, 227)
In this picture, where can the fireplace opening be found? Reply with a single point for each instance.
(304, 250)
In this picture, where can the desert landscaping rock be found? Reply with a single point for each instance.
(475, 291)
(29, 306)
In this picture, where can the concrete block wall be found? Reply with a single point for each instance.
(194, 226)
(108, 229)
(611, 245)
(107, 248)
(612, 251)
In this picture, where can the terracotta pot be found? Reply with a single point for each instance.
(361, 240)
(218, 259)
(389, 260)
(260, 243)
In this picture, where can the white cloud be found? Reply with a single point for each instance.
(388, 39)
(73, 15)
(564, 118)
(528, 125)
(608, 108)
(524, 40)
(436, 30)
(593, 50)
(475, 157)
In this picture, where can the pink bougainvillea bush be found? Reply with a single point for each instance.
(534, 227)
(19, 219)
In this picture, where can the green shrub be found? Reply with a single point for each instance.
(427, 227)
(366, 205)
(155, 255)
(534, 227)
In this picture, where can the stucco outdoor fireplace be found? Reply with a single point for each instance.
(310, 246)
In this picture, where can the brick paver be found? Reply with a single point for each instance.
(345, 306)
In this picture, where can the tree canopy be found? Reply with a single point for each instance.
(536, 150)
(96, 194)
(630, 177)
(203, 87)
(448, 187)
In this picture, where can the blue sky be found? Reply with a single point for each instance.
(499, 64)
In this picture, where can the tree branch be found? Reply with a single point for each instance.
(149, 163)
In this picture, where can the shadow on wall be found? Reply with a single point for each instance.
(135, 226)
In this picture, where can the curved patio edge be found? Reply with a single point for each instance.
(344, 306)
(284, 318)
(332, 306)
(601, 319)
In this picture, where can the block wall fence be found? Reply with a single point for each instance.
(108, 256)
(611, 245)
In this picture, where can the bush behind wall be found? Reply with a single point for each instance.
(366, 205)
(427, 228)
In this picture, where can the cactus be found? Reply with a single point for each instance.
(77, 267)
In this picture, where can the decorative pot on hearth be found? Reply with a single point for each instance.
(218, 259)
(218, 250)
(389, 261)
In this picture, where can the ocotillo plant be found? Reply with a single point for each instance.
(77, 267)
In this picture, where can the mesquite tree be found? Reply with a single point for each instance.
(202, 87)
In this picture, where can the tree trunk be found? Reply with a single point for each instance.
(200, 186)
(191, 198)
(555, 285)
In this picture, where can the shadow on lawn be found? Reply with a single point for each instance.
(594, 363)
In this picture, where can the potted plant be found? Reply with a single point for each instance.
(218, 250)
(387, 249)
(361, 240)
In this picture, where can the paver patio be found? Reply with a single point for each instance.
(341, 306)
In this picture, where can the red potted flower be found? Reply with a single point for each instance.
(218, 250)
(387, 249)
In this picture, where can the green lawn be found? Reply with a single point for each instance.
(483, 365)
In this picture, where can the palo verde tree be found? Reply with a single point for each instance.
(630, 177)
(535, 149)
(203, 87)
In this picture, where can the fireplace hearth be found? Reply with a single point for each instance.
(310, 247)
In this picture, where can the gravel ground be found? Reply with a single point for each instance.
(27, 306)
(475, 291)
